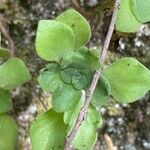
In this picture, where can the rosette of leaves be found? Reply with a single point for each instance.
(62, 42)
(67, 79)
(69, 73)
(13, 73)
(132, 14)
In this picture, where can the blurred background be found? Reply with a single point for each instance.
(126, 126)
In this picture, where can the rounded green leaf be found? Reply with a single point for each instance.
(92, 57)
(65, 98)
(78, 61)
(49, 80)
(75, 60)
(126, 21)
(101, 93)
(4, 53)
(141, 10)
(71, 115)
(129, 80)
(13, 73)
(53, 39)
(87, 134)
(74, 77)
(76, 70)
(82, 83)
(66, 75)
(5, 101)
(79, 25)
(48, 131)
(82, 60)
(8, 133)
(106, 84)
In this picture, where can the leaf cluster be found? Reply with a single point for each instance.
(62, 43)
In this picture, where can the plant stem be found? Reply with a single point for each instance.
(89, 93)
(7, 36)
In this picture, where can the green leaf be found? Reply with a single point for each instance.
(141, 10)
(126, 21)
(53, 39)
(8, 133)
(76, 70)
(79, 25)
(83, 61)
(13, 73)
(87, 134)
(129, 80)
(67, 74)
(106, 84)
(71, 115)
(92, 57)
(75, 60)
(95, 52)
(5, 101)
(4, 53)
(82, 49)
(48, 131)
(101, 93)
(74, 77)
(65, 98)
(49, 80)
(82, 84)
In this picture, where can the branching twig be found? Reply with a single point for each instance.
(89, 93)
(7, 36)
